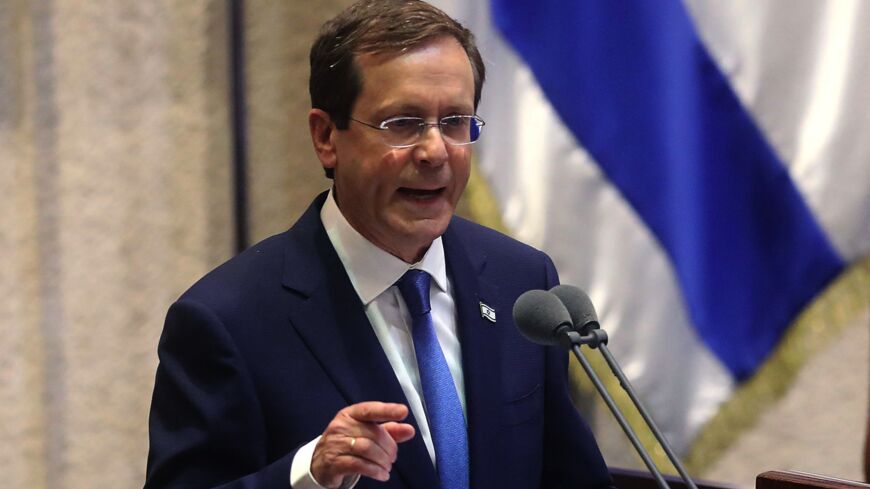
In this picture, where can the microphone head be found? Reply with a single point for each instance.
(579, 306)
(540, 316)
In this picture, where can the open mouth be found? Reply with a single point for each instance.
(417, 193)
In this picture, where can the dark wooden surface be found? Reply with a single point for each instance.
(637, 479)
(800, 480)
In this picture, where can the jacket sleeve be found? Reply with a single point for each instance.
(205, 427)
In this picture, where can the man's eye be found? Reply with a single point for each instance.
(402, 123)
(455, 121)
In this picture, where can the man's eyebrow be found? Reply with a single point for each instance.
(459, 109)
(414, 110)
(400, 108)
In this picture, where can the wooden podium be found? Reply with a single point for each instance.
(636, 479)
(800, 480)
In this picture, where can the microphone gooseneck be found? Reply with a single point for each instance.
(585, 322)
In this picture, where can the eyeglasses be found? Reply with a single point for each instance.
(404, 132)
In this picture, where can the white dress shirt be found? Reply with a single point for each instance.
(373, 273)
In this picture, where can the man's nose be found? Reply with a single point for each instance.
(432, 148)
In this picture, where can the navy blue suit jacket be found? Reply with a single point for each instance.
(258, 356)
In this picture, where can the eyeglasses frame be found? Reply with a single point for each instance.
(422, 126)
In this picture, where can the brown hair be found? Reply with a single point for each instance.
(375, 27)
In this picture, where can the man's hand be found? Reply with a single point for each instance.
(361, 439)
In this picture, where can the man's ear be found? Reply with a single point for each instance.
(322, 132)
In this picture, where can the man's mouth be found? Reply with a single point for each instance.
(418, 193)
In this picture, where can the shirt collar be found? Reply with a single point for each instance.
(371, 269)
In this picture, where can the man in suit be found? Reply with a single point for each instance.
(372, 344)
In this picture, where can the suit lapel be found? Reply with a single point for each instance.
(329, 317)
(480, 358)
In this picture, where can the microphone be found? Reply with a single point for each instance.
(544, 319)
(541, 317)
(585, 322)
(579, 306)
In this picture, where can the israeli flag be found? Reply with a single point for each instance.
(701, 168)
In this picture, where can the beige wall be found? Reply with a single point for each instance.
(284, 172)
(115, 195)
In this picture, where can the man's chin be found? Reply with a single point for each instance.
(418, 235)
(431, 228)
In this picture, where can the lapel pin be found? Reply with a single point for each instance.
(487, 312)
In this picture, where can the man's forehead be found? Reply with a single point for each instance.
(439, 56)
(417, 77)
(374, 57)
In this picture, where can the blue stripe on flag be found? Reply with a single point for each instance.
(636, 87)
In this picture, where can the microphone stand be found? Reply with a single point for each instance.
(574, 341)
(597, 338)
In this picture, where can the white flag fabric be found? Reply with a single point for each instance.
(702, 169)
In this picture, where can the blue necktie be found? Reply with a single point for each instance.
(443, 409)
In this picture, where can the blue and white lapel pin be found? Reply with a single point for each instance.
(487, 312)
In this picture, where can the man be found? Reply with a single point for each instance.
(372, 343)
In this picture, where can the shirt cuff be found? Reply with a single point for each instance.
(300, 470)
